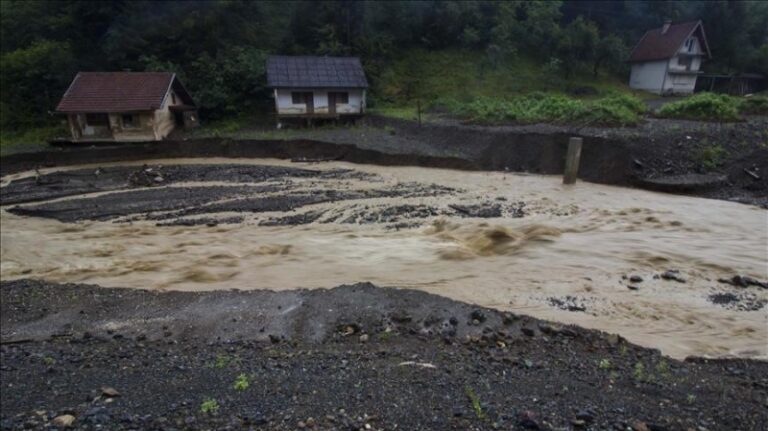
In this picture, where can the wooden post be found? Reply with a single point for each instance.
(572, 160)
(418, 110)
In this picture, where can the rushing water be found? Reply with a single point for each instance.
(575, 242)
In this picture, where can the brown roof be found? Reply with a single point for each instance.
(657, 46)
(119, 92)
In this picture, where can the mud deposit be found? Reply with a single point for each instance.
(349, 358)
(592, 255)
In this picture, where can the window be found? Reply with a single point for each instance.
(97, 119)
(689, 44)
(301, 97)
(341, 97)
(129, 121)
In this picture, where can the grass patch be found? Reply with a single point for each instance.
(711, 157)
(474, 401)
(754, 105)
(209, 406)
(614, 109)
(241, 383)
(703, 106)
(20, 141)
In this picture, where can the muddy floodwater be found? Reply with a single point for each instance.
(526, 243)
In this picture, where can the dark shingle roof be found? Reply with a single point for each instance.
(119, 92)
(657, 46)
(315, 72)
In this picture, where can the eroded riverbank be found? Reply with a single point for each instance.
(508, 241)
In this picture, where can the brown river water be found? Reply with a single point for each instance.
(573, 246)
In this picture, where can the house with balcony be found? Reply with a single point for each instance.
(307, 88)
(667, 60)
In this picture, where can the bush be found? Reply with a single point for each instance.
(703, 106)
(755, 105)
(612, 110)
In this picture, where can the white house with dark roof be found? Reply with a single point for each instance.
(667, 59)
(317, 87)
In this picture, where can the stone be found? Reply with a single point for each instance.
(636, 279)
(673, 275)
(632, 287)
(109, 391)
(639, 426)
(478, 315)
(364, 338)
(528, 331)
(63, 421)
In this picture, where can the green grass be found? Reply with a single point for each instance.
(711, 156)
(241, 383)
(754, 105)
(615, 109)
(703, 106)
(35, 139)
(474, 401)
(209, 406)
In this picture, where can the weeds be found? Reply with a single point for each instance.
(605, 364)
(474, 400)
(691, 398)
(703, 106)
(638, 373)
(209, 406)
(711, 156)
(241, 383)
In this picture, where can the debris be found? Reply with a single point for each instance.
(416, 364)
(674, 275)
(752, 174)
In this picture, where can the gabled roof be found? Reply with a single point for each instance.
(657, 46)
(120, 92)
(315, 72)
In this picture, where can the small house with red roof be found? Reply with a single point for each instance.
(126, 106)
(667, 60)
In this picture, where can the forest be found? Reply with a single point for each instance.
(218, 48)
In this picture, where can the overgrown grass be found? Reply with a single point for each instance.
(711, 156)
(703, 106)
(615, 109)
(715, 107)
(35, 139)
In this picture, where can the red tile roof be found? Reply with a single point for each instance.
(116, 92)
(657, 46)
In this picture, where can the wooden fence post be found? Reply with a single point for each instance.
(572, 160)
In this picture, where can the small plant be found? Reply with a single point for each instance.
(711, 156)
(241, 383)
(209, 406)
(623, 350)
(49, 361)
(662, 368)
(639, 372)
(605, 364)
(691, 398)
(474, 400)
(221, 361)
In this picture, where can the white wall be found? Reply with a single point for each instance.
(648, 76)
(285, 106)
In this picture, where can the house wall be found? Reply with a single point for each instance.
(649, 76)
(150, 125)
(285, 106)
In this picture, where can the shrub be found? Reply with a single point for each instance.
(711, 156)
(209, 406)
(755, 105)
(615, 109)
(703, 106)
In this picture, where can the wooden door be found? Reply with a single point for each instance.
(332, 103)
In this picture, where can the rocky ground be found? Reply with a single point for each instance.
(352, 357)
